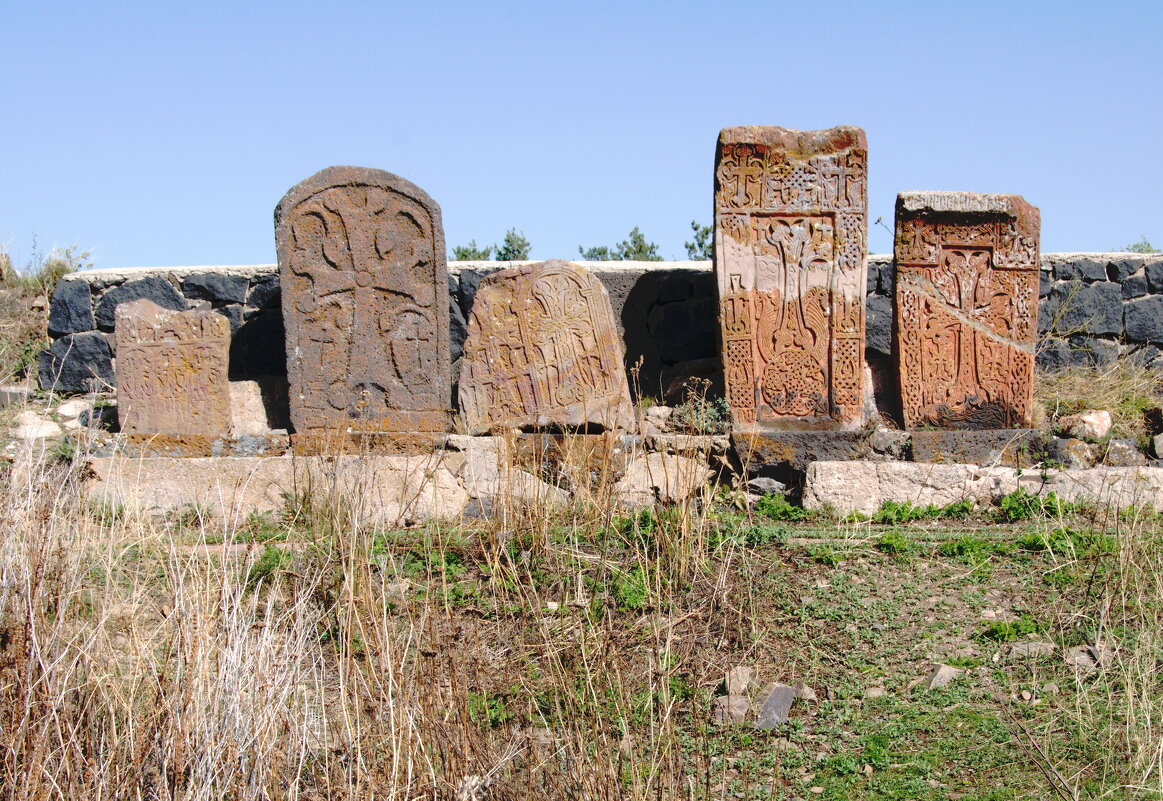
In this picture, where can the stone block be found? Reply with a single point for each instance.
(371, 490)
(259, 406)
(365, 303)
(154, 288)
(878, 329)
(786, 455)
(1070, 452)
(1154, 273)
(1119, 270)
(791, 228)
(1079, 268)
(71, 308)
(1123, 453)
(1144, 319)
(14, 396)
(1045, 282)
(1075, 351)
(674, 286)
(661, 478)
(233, 315)
(77, 363)
(265, 294)
(684, 331)
(965, 362)
(1015, 447)
(864, 486)
(543, 352)
(216, 287)
(186, 446)
(1087, 308)
(871, 280)
(1134, 287)
(172, 370)
(731, 709)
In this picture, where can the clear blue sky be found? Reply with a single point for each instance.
(164, 133)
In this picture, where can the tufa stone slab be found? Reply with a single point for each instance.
(791, 228)
(543, 352)
(1015, 447)
(365, 303)
(172, 370)
(966, 308)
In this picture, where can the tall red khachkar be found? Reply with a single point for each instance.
(791, 230)
(966, 308)
(365, 303)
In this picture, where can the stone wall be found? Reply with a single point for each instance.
(1094, 308)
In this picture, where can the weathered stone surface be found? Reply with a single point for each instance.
(14, 396)
(30, 425)
(77, 363)
(787, 452)
(878, 331)
(1134, 287)
(1091, 424)
(383, 490)
(1073, 351)
(864, 486)
(731, 709)
(1070, 452)
(1079, 268)
(153, 288)
(172, 370)
(265, 294)
(1016, 447)
(543, 351)
(216, 287)
(1144, 319)
(258, 407)
(1154, 273)
(791, 227)
(1032, 650)
(661, 477)
(1157, 445)
(776, 706)
(739, 679)
(364, 294)
(967, 308)
(1123, 453)
(1075, 307)
(72, 409)
(941, 676)
(71, 309)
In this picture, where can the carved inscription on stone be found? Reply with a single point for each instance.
(791, 228)
(172, 370)
(543, 350)
(365, 303)
(966, 308)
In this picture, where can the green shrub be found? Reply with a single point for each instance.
(777, 507)
(1023, 505)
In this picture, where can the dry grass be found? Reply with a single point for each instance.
(1123, 388)
(571, 651)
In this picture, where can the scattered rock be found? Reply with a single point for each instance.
(1088, 657)
(1123, 453)
(875, 692)
(886, 442)
(72, 409)
(1032, 650)
(1092, 424)
(940, 676)
(1071, 452)
(777, 702)
(1157, 443)
(13, 396)
(766, 486)
(806, 693)
(731, 709)
(659, 415)
(29, 425)
(740, 679)
(661, 477)
(154, 287)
